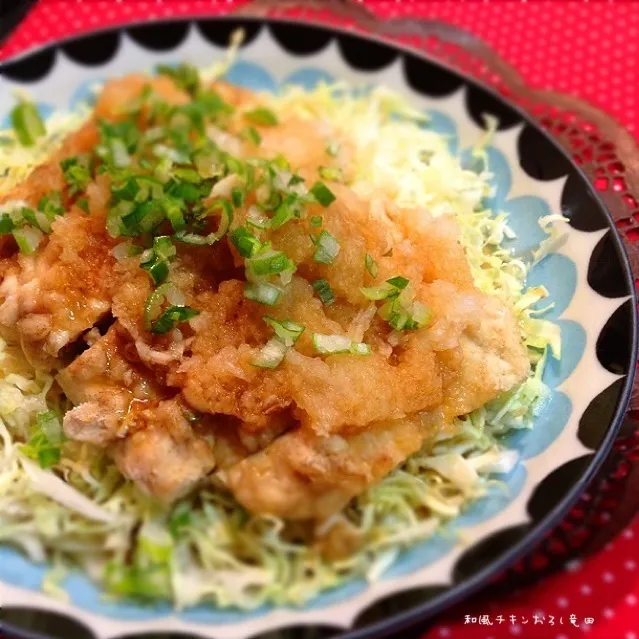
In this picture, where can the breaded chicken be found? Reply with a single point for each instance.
(162, 454)
(119, 407)
(306, 476)
(176, 386)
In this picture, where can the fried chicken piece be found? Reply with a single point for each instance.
(306, 476)
(119, 407)
(162, 455)
(309, 474)
(52, 296)
(102, 383)
(343, 392)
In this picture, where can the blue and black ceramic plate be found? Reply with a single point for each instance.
(589, 280)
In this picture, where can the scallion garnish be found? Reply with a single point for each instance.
(284, 213)
(185, 76)
(287, 330)
(332, 149)
(83, 204)
(76, 173)
(261, 116)
(269, 262)
(391, 288)
(331, 173)
(28, 239)
(6, 224)
(174, 211)
(257, 219)
(237, 197)
(156, 261)
(246, 243)
(326, 248)
(322, 194)
(371, 265)
(398, 282)
(45, 440)
(325, 292)
(27, 123)
(253, 135)
(316, 220)
(271, 354)
(51, 204)
(171, 317)
(334, 344)
(262, 293)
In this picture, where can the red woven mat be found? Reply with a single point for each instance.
(586, 49)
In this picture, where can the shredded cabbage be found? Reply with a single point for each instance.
(82, 513)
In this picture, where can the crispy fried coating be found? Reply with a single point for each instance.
(299, 440)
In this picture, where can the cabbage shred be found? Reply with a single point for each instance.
(82, 514)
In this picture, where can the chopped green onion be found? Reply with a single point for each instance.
(157, 269)
(246, 243)
(76, 173)
(371, 265)
(6, 224)
(170, 318)
(27, 123)
(83, 204)
(327, 248)
(28, 239)
(188, 175)
(261, 116)
(156, 262)
(262, 293)
(316, 220)
(325, 292)
(163, 247)
(378, 292)
(194, 239)
(237, 197)
(270, 262)
(125, 250)
(271, 354)
(421, 315)
(331, 173)
(180, 518)
(185, 76)
(334, 344)
(51, 204)
(391, 288)
(332, 149)
(226, 217)
(398, 282)
(45, 441)
(359, 348)
(322, 194)
(253, 135)
(155, 300)
(287, 330)
(173, 209)
(283, 214)
(257, 218)
(404, 317)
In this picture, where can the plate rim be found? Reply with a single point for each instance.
(456, 592)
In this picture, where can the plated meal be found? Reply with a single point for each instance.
(288, 339)
(253, 344)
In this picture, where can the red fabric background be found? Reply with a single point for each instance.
(589, 49)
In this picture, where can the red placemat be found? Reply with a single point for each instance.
(588, 49)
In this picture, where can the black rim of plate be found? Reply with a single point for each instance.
(302, 38)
